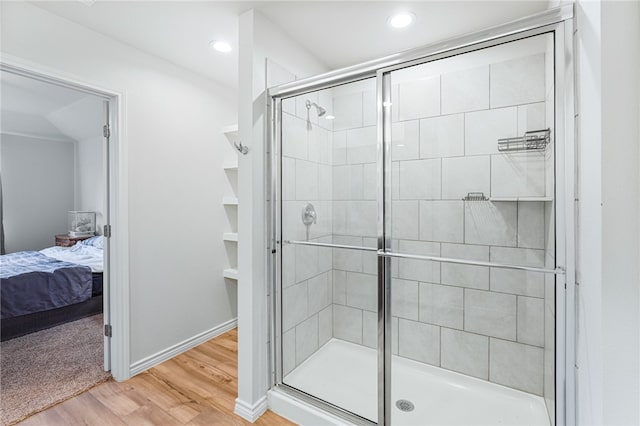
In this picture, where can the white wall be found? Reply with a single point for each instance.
(38, 190)
(259, 40)
(608, 343)
(171, 137)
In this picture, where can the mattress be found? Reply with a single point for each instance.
(32, 282)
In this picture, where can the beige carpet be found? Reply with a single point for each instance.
(44, 368)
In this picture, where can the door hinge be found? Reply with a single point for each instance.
(107, 231)
(106, 131)
(108, 330)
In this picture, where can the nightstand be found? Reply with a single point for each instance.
(64, 240)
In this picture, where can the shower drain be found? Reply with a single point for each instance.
(405, 405)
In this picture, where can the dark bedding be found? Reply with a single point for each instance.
(32, 282)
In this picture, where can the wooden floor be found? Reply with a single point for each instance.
(198, 387)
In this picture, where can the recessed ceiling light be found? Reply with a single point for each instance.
(401, 20)
(330, 117)
(221, 46)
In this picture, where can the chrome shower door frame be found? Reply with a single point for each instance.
(558, 22)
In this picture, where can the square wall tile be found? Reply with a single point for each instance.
(362, 145)
(484, 128)
(489, 223)
(370, 329)
(531, 117)
(294, 305)
(288, 351)
(362, 218)
(404, 299)
(294, 137)
(325, 325)
(419, 98)
(418, 341)
(320, 292)
(339, 287)
(345, 259)
(518, 175)
(370, 181)
(362, 291)
(339, 151)
(462, 175)
(518, 81)
(524, 283)
(465, 353)
(419, 179)
(491, 314)
(347, 110)
(369, 110)
(306, 180)
(306, 339)
(531, 224)
(404, 220)
(320, 145)
(470, 276)
(419, 270)
(466, 90)
(442, 136)
(347, 324)
(531, 321)
(516, 365)
(405, 141)
(442, 305)
(347, 182)
(441, 221)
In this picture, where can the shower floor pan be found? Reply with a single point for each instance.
(345, 374)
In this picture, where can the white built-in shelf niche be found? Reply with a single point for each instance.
(231, 201)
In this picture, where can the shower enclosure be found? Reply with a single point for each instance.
(421, 232)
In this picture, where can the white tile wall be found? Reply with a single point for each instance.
(306, 338)
(362, 291)
(404, 218)
(484, 128)
(325, 325)
(518, 175)
(320, 292)
(516, 365)
(490, 223)
(518, 81)
(370, 181)
(347, 323)
(288, 351)
(294, 298)
(347, 110)
(339, 148)
(420, 179)
(419, 270)
(466, 90)
(419, 341)
(462, 175)
(319, 145)
(465, 275)
(370, 329)
(369, 110)
(362, 145)
(306, 180)
(441, 136)
(348, 182)
(404, 299)
(531, 321)
(419, 98)
(345, 259)
(441, 305)
(491, 314)
(339, 287)
(517, 282)
(465, 353)
(405, 140)
(440, 221)
(294, 137)
(531, 117)
(531, 225)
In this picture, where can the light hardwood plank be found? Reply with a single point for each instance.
(198, 387)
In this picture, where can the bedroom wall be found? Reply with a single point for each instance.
(175, 180)
(37, 190)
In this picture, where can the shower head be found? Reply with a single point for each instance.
(321, 111)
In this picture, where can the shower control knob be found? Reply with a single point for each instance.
(309, 214)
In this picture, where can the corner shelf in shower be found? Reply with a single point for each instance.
(233, 137)
(499, 199)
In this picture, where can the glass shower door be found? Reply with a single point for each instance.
(471, 237)
(329, 213)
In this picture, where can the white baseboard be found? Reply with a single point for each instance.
(251, 412)
(177, 349)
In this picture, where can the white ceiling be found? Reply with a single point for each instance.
(338, 33)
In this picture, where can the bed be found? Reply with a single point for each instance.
(39, 290)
